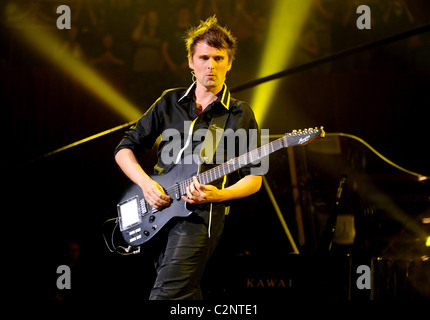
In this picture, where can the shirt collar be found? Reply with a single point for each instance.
(223, 97)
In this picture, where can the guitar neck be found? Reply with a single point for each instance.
(235, 164)
(290, 139)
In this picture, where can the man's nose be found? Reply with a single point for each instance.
(211, 64)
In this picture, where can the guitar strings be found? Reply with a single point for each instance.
(227, 167)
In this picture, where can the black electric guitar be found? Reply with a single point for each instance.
(139, 222)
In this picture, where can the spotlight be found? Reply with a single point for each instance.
(286, 21)
(48, 45)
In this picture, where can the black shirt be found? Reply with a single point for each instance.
(176, 107)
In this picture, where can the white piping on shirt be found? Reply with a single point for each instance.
(190, 131)
(210, 212)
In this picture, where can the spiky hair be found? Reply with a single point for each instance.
(213, 35)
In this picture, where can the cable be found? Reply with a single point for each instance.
(114, 248)
(104, 237)
(420, 177)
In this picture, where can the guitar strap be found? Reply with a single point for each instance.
(213, 136)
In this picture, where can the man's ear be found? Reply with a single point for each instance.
(190, 62)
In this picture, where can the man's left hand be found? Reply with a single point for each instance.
(200, 193)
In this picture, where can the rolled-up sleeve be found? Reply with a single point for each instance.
(143, 135)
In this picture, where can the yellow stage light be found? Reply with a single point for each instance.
(286, 21)
(48, 45)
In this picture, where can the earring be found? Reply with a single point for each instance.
(193, 76)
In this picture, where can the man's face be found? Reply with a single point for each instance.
(210, 65)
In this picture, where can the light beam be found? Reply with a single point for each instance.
(48, 45)
(286, 21)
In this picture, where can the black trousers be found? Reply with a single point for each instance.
(182, 256)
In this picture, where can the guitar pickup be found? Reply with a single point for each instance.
(143, 208)
(177, 192)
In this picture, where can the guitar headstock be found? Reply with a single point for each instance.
(302, 137)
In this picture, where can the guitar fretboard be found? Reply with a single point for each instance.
(232, 165)
(291, 139)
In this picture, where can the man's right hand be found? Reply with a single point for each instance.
(155, 194)
(152, 191)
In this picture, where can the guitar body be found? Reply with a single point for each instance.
(142, 222)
